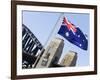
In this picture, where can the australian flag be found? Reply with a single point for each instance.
(73, 34)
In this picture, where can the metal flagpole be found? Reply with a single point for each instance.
(55, 29)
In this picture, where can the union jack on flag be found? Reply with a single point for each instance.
(69, 25)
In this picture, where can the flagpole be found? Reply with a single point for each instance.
(56, 26)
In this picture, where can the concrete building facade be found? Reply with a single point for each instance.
(69, 59)
(51, 54)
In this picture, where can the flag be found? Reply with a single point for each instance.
(73, 34)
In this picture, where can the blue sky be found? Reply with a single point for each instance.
(42, 24)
